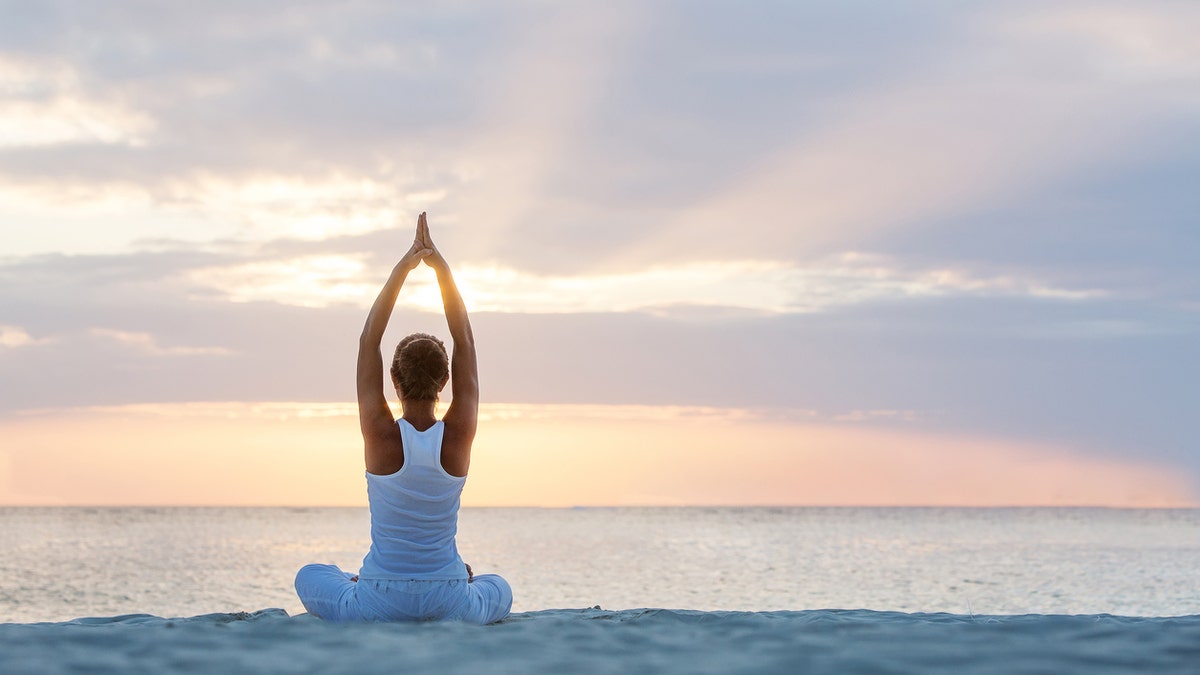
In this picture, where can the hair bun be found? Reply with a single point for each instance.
(420, 367)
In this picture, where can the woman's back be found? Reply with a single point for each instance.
(414, 513)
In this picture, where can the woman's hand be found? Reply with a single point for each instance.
(419, 250)
(434, 258)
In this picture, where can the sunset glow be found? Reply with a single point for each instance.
(555, 455)
(791, 253)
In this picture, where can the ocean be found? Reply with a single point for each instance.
(59, 564)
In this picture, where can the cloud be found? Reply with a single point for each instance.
(202, 208)
(15, 337)
(148, 344)
(989, 358)
(278, 411)
(309, 281)
(980, 366)
(936, 146)
(984, 116)
(768, 286)
(44, 104)
(282, 411)
(1122, 40)
(69, 121)
(646, 145)
(325, 124)
(873, 415)
(266, 207)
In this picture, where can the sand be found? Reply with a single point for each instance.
(601, 641)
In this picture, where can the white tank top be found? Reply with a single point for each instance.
(414, 513)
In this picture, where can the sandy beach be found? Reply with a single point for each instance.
(602, 641)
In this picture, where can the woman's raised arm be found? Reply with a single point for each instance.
(374, 417)
(462, 417)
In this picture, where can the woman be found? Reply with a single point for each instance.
(416, 468)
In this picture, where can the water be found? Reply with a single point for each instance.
(63, 563)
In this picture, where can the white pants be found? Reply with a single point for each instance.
(328, 592)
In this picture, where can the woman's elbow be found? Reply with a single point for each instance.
(369, 338)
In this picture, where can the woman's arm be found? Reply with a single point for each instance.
(379, 430)
(462, 417)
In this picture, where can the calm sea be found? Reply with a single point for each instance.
(63, 563)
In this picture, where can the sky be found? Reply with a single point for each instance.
(820, 253)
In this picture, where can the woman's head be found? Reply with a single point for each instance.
(420, 368)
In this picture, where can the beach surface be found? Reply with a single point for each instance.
(602, 641)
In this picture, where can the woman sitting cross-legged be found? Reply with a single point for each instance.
(416, 468)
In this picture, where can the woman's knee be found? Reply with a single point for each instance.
(311, 571)
(495, 596)
(322, 590)
(499, 582)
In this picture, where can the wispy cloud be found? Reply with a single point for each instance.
(308, 281)
(148, 344)
(756, 285)
(493, 412)
(269, 207)
(877, 416)
(1125, 41)
(13, 337)
(204, 208)
(45, 104)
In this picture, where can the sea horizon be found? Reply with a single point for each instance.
(628, 506)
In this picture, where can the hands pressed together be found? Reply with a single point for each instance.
(422, 249)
